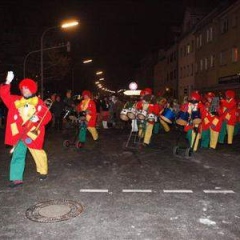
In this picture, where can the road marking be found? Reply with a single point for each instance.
(94, 190)
(137, 190)
(218, 191)
(178, 191)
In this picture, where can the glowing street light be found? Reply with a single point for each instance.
(99, 72)
(87, 61)
(66, 25)
(101, 79)
(70, 24)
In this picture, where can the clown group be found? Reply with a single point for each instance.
(211, 121)
(25, 128)
(206, 119)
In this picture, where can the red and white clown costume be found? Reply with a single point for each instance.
(25, 129)
(88, 105)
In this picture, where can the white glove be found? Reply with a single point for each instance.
(34, 118)
(9, 78)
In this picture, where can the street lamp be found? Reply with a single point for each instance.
(99, 72)
(87, 61)
(66, 25)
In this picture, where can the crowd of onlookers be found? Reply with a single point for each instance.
(108, 110)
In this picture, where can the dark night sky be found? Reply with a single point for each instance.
(116, 34)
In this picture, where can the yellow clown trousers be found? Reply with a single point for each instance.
(93, 132)
(165, 125)
(148, 133)
(230, 132)
(198, 137)
(213, 138)
(40, 159)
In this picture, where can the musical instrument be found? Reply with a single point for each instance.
(182, 118)
(141, 114)
(168, 115)
(132, 113)
(196, 117)
(123, 114)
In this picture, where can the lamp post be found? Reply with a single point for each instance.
(66, 25)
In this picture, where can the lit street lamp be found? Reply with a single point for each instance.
(66, 25)
(87, 61)
(99, 72)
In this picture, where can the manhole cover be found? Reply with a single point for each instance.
(54, 211)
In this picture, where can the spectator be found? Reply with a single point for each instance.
(57, 110)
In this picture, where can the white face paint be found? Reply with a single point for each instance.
(26, 92)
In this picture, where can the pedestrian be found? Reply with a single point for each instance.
(105, 105)
(57, 110)
(117, 106)
(25, 128)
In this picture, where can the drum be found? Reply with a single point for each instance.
(182, 118)
(196, 117)
(151, 117)
(168, 115)
(132, 113)
(142, 114)
(123, 114)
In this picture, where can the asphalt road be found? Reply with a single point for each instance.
(127, 192)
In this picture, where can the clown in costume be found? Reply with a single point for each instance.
(88, 105)
(229, 117)
(25, 129)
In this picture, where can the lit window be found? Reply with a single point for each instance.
(234, 54)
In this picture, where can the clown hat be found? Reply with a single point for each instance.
(86, 92)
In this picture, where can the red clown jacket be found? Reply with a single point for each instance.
(19, 125)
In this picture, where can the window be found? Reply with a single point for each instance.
(212, 59)
(188, 48)
(209, 34)
(224, 25)
(205, 63)
(223, 60)
(234, 54)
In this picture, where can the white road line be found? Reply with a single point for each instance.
(137, 190)
(178, 191)
(218, 191)
(94, 190)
